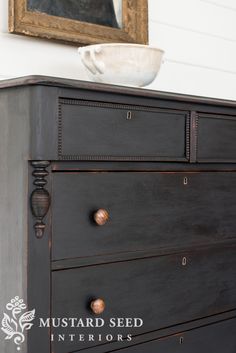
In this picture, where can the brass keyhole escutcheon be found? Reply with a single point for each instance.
(185, 181)
(129, 115)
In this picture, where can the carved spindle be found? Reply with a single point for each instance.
(40, 198)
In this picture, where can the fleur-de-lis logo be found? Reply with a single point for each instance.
(14, 324)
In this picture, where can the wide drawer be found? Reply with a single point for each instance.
(216, 140)
(146, 211)
(103, 131)
(162, 291)
(216, 338)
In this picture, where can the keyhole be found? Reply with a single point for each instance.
(129, 115)
(181, 340)
(185, 181)
(184, 261)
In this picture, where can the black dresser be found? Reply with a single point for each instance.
(117, 218)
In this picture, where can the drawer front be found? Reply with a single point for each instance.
(159, 290)
(216, 138)
(217, 338)
(146, 211)
(100, 131)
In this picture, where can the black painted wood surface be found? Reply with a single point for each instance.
(151, 213)
(217, 338)
(163, 291)
(147, 210)
(123, 91)
(90, 130)
(216, 138)
(50, 141)
(177, 331)
(38, 274)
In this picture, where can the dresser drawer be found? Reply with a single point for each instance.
(102, 131)
(146, 211)
(216, 138)
(216, 338)
(159, 290)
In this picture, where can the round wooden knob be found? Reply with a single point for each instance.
(101, 217)
(97, 306)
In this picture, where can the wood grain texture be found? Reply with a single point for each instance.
(150, 97)
(176, 293)
(176, 331)
(135, 25)
(164, 117)
(14, 148)
(205, 339)
(147, 211)
(38, 275)
(216, 138)
(150, 134)
(167, 251)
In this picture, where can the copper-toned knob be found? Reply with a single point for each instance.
(97, 306)
(101, 217)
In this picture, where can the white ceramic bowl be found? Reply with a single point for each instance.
(120, 63)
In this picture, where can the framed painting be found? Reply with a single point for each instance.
(81, 21)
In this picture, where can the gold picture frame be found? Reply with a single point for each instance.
(38, 24)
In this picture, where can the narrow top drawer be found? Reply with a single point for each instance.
(104, 131)
(216, 138)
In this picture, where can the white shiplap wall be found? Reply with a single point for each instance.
(198, 36)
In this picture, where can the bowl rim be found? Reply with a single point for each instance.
(123, 45)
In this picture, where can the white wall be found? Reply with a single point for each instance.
(198, 36)
(21, 55)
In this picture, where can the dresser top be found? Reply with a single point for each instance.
(100, 87)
